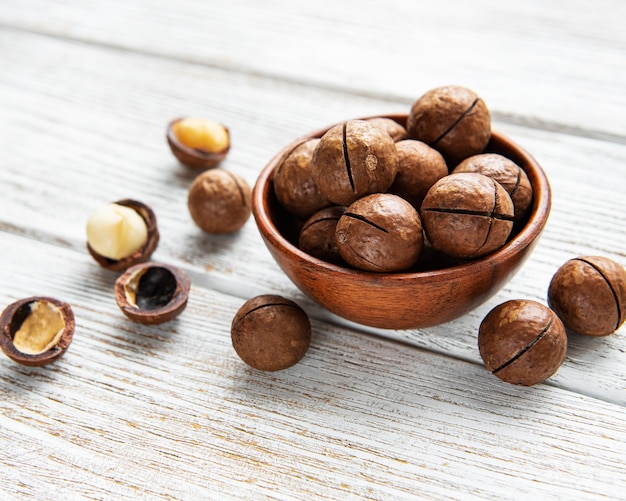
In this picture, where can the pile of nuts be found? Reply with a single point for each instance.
(396, 192)
(369, 194)
(374, 196)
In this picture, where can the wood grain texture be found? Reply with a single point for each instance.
(170, 412)
(559, 50)
(122, 152)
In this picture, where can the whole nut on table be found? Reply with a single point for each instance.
(588, 293)
(271, 333)
(219, 201)
(522, 342)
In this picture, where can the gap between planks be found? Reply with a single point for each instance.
(233, 286)
(503, 117)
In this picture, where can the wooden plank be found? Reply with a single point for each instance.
(170, 412)
(97, 121)
(554, 65)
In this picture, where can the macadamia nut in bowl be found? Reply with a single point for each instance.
(402, 299)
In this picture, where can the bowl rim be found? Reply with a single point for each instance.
(527, 235)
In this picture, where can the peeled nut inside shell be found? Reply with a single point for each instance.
(198, 142)
(37, 330)
(115, 231)
(201, 134)
(122, 234)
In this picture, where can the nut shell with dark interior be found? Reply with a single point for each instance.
(467, 215)
(195, 158)
(294, 182)
(506, 172)
(142, 254)
(36, 330)
(451, 119)
(152, 293)
(419, 167)
(317, 236)
(588, 293)
(522, 342)
(271, 333)
(219, 201)
(354, 159)
(380, 232)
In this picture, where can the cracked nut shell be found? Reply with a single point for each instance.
(219, 201)
(317, 236)
(152, 293)
(294, 182)
(522, 342)
(467, 215)
(36, 330)
(506, 172)
(144, 252)
(393, 128)
(419, 167)
(451, 119)
(588, 294)
(380, 232)
(271, 333)
(354, 159)
(195, 158)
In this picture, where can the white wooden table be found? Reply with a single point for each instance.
(170, 412)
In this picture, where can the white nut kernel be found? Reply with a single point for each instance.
(115, 231)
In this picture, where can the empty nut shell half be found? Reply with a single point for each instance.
(152, 293)
(36, 330)
(142, 254)
(194, 157)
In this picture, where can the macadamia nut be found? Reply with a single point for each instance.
(522, 342)
(588, 293)
(354, 159)
(115, 231)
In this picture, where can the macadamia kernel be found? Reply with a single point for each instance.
(41, 329)
(202, 134)
(115, 231)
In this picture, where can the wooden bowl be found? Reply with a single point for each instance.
(401, 300)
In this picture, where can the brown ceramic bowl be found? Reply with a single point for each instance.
(402, 300)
